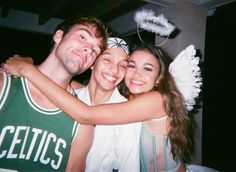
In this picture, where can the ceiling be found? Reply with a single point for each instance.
(42, 16)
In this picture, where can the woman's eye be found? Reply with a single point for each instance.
(106, 60)
(123, 66)
(82, 37)
(131, 66)
(147, 69)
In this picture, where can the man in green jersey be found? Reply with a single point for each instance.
(34, 134)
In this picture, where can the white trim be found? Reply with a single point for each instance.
(33, 104)
(5, 89)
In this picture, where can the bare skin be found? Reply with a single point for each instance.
(131, 111)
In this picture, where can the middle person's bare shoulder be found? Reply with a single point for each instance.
(76, 85)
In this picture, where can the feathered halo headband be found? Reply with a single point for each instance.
(148, 20)
(184, 68)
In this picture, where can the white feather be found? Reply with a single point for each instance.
(187, 75)
(147, 19)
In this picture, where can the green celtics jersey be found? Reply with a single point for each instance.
(32, 138)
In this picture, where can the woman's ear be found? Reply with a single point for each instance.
(156, 84)
(57, 37)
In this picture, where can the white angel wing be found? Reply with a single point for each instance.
(187, 75)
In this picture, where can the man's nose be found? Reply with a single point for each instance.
(87, 50)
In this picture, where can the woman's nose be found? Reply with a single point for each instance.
(137, 72)
(114, 69)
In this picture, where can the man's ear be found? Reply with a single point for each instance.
(57, 37)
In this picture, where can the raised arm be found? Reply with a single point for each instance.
(138, 109)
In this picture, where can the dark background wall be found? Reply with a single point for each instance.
(24, 43)
(218, 74)
(219, 90)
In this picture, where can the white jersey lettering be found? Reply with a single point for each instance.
(22, 154)
(36, 133)
(23, 144)
(15, 142)
(4, 130)
(57, 152)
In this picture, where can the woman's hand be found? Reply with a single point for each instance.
(16, 65)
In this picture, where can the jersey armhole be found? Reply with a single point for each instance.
(5, 89)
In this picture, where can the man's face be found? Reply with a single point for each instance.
(78, 49)
(110, 68)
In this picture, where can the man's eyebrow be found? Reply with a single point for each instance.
(86, 30)
(90, 34)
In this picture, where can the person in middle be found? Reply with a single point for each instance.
(115, 147)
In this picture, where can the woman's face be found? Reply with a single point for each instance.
(110, 68)
(142, 72)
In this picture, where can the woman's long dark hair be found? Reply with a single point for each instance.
(181, 128)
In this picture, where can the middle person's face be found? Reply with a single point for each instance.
(110, 68)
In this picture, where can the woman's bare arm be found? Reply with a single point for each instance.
(144, 107)
(80, 148)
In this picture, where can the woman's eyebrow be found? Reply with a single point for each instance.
(149, 64)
